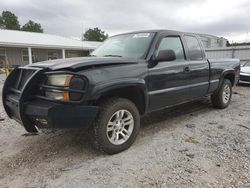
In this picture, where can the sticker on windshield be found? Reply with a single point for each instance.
(141, 35)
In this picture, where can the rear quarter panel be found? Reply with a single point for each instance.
(219, 68)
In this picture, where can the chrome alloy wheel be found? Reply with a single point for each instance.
(120, 127)
(226, 94)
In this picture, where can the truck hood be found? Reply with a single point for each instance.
(83, 63)
(245, 70)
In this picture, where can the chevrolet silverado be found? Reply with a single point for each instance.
(129, 75)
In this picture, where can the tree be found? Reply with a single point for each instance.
(95, 34)
(32, 27)
(1, 23)
(8, 20)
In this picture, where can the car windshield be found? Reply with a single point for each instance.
(247, 64)
(128, 45)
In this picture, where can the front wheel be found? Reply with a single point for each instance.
(116, 125)
(222, 98)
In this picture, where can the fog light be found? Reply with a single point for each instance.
(41, 121)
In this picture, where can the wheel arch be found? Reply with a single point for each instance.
(226, 74)
(230, 75)
(135, 92)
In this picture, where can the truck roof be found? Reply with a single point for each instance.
(159, 31)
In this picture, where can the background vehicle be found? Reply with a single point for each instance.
(129, 75)
(245, 73)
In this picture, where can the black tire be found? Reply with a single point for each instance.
(217, 98)
(99, 133)
(31, 129)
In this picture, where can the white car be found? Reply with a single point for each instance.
(245, 73)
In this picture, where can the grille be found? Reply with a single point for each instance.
(245, 78)
(13, 89)
(22, 77)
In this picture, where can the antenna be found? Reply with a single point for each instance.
(246, 36)
(82, 31)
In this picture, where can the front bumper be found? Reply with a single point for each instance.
(46, 114)
(244, 78)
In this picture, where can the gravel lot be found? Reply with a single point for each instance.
(192, 145)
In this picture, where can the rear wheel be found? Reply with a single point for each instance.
(116, 125)
(222, 98)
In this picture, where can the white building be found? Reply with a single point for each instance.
(211, 41)
(21, 48)
(239, 52)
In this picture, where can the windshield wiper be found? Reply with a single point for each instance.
(112, 56)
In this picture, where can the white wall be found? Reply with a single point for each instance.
(239, 52)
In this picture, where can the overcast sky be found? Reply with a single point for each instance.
(227, 18)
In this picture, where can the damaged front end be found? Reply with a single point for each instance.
(39, 98)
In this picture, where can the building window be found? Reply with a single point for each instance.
(2, 53)
(72, 54)
(52, 55)
(25, 56)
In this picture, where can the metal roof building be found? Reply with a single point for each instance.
(20, 48)
(211, 41)
(239, 52)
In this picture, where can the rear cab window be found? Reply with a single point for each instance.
(194, 48)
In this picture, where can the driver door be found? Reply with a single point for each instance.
(168, 80)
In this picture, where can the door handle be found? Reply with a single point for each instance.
(186, 69)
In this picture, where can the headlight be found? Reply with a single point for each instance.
(64, 87)
(55, 95)
(59, 80)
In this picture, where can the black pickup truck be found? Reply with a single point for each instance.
(127, 76)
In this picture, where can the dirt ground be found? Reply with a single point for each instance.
(192, 145)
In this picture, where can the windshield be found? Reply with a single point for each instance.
(247, 64)
(128, 45)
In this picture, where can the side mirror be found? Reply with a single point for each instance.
(166, 55)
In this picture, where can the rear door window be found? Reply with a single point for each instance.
(194, 48)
